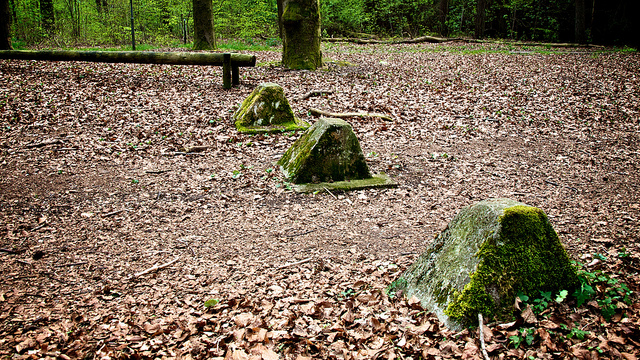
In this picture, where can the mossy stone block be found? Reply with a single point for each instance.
(376, 181)
(488, 253)
(267, 110)
(328, 151)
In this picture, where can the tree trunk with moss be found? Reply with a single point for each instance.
(204, 37)
(5, 26)
(301, 34)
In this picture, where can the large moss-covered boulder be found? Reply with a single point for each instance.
(488, 253)
(328, 155)
(267, 110)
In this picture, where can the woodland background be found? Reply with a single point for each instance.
(69, 23)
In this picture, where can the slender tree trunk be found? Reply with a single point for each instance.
(102, 6)
(280, 9)
(301, 41)
(443, 12)
(581, 34)
(48, 16)
(5, 26)
(204, 37)
(480, 10)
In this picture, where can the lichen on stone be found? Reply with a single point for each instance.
(487, 254)
(266, 109)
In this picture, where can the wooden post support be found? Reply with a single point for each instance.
(226, 71)
(235, 72)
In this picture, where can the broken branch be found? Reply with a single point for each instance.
(318, 112)
(113, 213)
(316, 93)
(44, 143)
(156, 267)
(72, 264)
(295, 263)
(482, 345)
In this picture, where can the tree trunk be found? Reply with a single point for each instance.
(301, 41)
(443, 12)
(137, 57)
(480, 10)
(280, 9)
(580, 31)
(101, 6)
(204, 37)
(5, 26)
(48, 16)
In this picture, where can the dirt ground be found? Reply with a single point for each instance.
(97, 188)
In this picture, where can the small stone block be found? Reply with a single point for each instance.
(267, 110)
(377, 181)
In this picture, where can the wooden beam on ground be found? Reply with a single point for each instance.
(230, 62)
(137, 57)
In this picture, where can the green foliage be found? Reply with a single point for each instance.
(525, 335)
(577, 333)
(608, 292)
(245, 19)
(211, 303)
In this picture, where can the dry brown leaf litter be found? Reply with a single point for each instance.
(95, 189)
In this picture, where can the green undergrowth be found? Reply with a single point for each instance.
(605, 295)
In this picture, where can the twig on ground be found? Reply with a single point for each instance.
(556, 184)
(482, 345)
(72, 264)
(113, 213)
(300, 234)
(157, 171)
(24, 262)
(330, 193)
(39, 226)
(328, 226)
(316, 93)
(295, 263)
(8, 251)
(43, 143)
(156, 267)
(318, 112)
(193, 149)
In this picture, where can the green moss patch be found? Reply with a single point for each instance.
(267, 110)
(487, 254)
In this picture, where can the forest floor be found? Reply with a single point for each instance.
(96, 189)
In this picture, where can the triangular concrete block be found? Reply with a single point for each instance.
(267, 110)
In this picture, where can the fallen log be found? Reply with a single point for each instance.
(422, 39)
(229, 62)
(318, 112)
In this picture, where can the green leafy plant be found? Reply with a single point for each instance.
(525, 335)
(611, 291)
(211, 303)
(578, 334)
